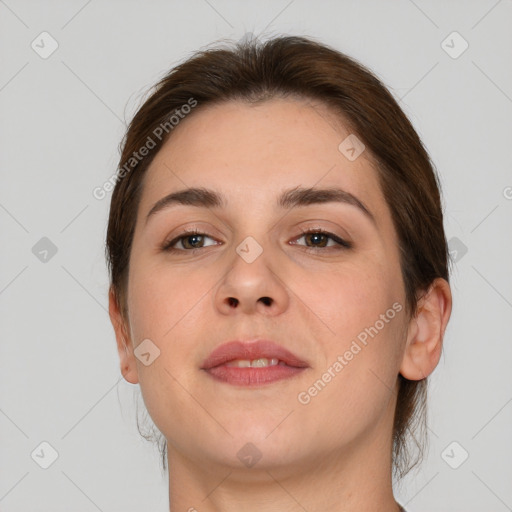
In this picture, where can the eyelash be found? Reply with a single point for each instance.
(342, 244)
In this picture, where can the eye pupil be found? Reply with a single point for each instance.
(197, 238)
(317, 237)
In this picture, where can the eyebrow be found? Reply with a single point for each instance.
(292, 198)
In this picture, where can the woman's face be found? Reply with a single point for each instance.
(340, 310)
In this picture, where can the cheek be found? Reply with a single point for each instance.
(163, 299)
(349, 298)
(353, 383)
(167, 307)
(361, 307)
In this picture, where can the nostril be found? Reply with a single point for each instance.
(266, 300)
(232, 301)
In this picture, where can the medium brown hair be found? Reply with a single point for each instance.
(255, 71)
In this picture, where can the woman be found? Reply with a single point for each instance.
(279, 279)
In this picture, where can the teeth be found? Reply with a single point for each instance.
(255, 363)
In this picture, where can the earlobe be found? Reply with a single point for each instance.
(127, 360)
(426, 332)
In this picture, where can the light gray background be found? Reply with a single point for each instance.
(61, 121)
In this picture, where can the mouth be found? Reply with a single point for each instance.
(252, 363)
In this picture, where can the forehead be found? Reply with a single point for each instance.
(251, 152)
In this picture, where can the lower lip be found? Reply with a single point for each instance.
(253, 376)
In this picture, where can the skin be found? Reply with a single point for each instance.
(333, 453)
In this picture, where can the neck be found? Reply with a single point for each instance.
(357, 478)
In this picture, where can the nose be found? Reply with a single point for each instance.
(251, 286)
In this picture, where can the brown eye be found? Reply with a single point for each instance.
(192, 241)
(189, 241)
(319, 239)
(316, 239)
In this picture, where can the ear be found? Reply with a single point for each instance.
(124, 344)
(426, 331)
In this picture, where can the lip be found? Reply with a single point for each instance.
(215, 364)
(251, 350)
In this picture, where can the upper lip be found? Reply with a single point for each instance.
(254, 349)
